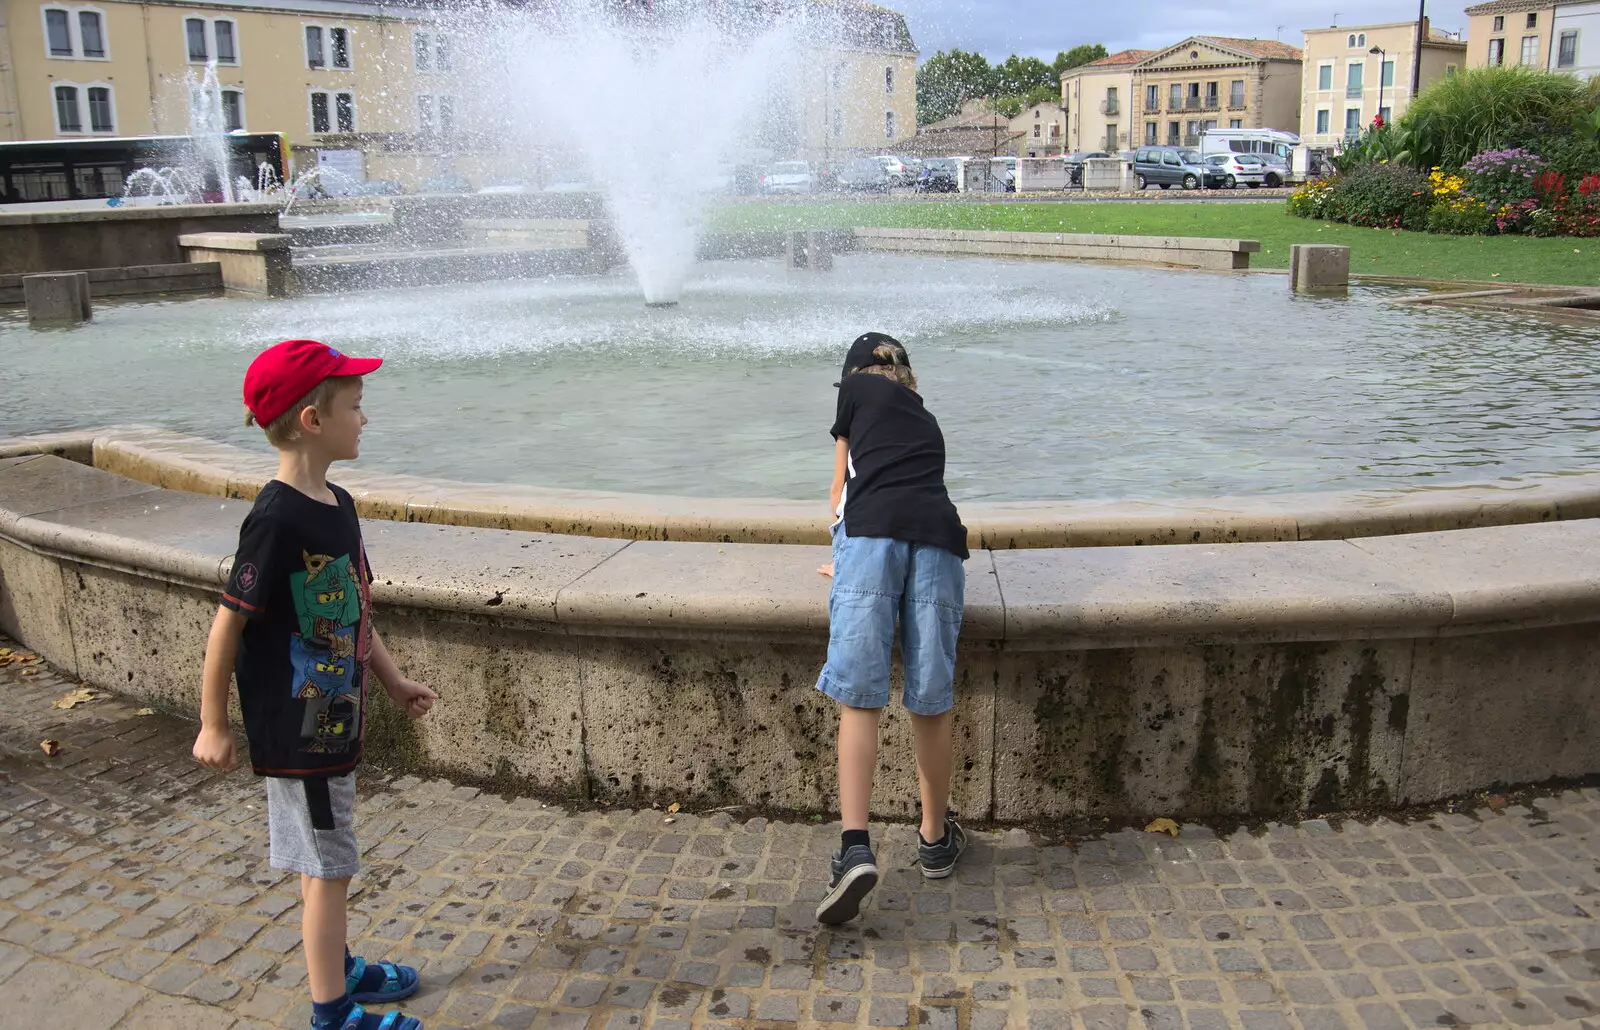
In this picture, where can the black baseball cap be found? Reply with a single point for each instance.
(861, 353)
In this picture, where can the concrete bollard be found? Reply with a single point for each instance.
(57, 298)
(1319, 268)
(809, 250)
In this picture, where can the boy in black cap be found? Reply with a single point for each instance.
(898, 548)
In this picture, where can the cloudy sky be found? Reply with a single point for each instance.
(1043, 27)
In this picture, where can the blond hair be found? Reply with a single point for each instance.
(899, 368)
(285, 429)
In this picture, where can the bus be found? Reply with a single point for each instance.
(1281, 148)
(89, 169)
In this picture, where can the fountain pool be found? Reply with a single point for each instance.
(1052, 380)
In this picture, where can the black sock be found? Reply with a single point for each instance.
(931, 843)
(852, 838)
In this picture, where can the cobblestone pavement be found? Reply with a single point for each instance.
(134, 892)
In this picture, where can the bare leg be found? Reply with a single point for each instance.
(858, 760)
(933, 734)
(322, 928)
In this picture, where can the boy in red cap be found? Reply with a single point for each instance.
(294, 629)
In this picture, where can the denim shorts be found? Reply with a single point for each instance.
(877, 584)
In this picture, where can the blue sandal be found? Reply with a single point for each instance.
(398, 982)
(360, 1019)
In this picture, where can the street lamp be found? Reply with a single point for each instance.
(1383, 58)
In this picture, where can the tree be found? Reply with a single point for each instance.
(947, 80)
(1078, 56)
(1016, 76)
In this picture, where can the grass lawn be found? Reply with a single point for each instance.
(1568, 262)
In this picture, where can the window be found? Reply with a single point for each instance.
(1322, 120)
(1172, 133)
(1236, 93)
(1112, 105)
(424, 113)
(1352, 120)
(441, 52)
(1449, 69)
(100, 116)
(194, 30)
(58, 33)
(1386, 76)
(1354, 73)
(222, 32)
(1152, 98)
(1151, 134)
(75, 32)
(1533, 20)
(1530, 49)
(1175, 96)
(421, 52)
(1567, 49)
(1387, 114)
(329, 47)
(1351, 42)
(232, 110)
(1325, 76)
(1235, 123)
(343, 111)
(1037, 134)
(319, 112)
(888, 80)
(1497, 51)
(1211, 94)
(67, 117)
(345, 106)
(91, 32)
(888, 125)
(1499, 23)
(1361, 40)
(447, 115)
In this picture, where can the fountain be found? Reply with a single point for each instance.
(208, 128)
(692, 84)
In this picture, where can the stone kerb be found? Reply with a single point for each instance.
(1250, 679)
(1180, 251)
(253, 264)
(172, 460)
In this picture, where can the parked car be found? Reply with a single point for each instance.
(447, 184)
(939, 175)
(1239, 169)
(789, 177)
(899, 174)
(1277, 169)
(1074, 163)
(1174, 166)
(828, 175)
(864, 175)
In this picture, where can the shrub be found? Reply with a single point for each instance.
(1501, 178)
(1314, 199)
(1462, 217)
(1384, 195)
(1492, 108)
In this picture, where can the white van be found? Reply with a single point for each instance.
(1283, 149)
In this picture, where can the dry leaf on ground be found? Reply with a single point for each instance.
(145, 711)
(81, 696)
(1162, 826)
(50, 747)
(673, 808)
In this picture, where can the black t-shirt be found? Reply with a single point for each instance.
(301, 578)
(895, 478)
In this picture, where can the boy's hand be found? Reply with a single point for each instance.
(413, 698)
(214, 748)
(826, 570)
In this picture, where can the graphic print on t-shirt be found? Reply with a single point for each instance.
(324, 654)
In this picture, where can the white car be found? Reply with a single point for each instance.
(899, 174)
(1239, 169)
(789, 177)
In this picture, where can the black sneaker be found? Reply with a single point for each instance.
(939, 860)
(855, 873)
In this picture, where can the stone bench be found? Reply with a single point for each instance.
(253, 264)
(1179, 251)
(1248, 679)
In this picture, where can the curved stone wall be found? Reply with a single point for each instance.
(162, 458)
(1252, 679)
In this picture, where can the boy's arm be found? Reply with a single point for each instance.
(214, 746)
(413, 698)
(841, 458)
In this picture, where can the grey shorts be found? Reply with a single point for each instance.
(311, 826)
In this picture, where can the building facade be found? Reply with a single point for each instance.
(1041, 130)
(1510, 32)
(374, 88)
(1575, 39)
(1354, 74)
(1170, 96)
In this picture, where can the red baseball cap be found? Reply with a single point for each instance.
(287, 371)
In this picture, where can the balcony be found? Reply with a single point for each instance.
(1110, 107)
